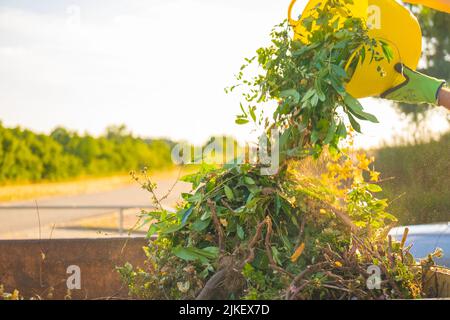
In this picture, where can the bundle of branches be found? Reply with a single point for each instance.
(302, 233)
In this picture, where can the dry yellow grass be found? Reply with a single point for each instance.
(29, 191)
(49, 189)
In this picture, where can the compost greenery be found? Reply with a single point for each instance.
(314, 230)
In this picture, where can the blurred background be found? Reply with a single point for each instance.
(90, 90)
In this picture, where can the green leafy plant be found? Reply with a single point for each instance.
(307, 80)
(299, 235)
(314, 229)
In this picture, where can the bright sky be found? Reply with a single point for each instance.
(158, 66)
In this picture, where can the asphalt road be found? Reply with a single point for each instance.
(17, 222)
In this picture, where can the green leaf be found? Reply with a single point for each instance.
(314, 100)
(387, 51)
(362, 117)
(374, 188)
(252, 113)
(249, 181)
(152, 230)
(276, 255)
(194, 254)
(196, 198)
(291, 93)
(229, 193)
(277, 204)
(363, 54)
(211, 252)
(206, 215)
(331, 132)
(357, 109)
(342, 130)
(243, 111)
(172, 228)
(340, 72)
(352, 103)
(354, 123)
(315, 135)
(187, 213)
(241, 121)
(200, 225)
(308, 94)
(240, 232)
(319, 90)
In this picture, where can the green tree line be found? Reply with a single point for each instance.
(63, 154)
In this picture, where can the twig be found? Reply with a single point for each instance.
(210, 288)
(336, 288)
(51, 232)
(217, 226)
(252, 244)
(405, 236)
(302, 229)
(227, 205)
(390, 251)
(268, 246)
(397, 198)
(309, 269)
(173, 186)
(382, 266)
(43, 255)
(39, 220)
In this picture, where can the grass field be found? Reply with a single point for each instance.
(417, 180)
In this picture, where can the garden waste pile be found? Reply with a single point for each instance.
(313, 230)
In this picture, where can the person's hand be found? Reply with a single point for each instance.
(416, 89)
